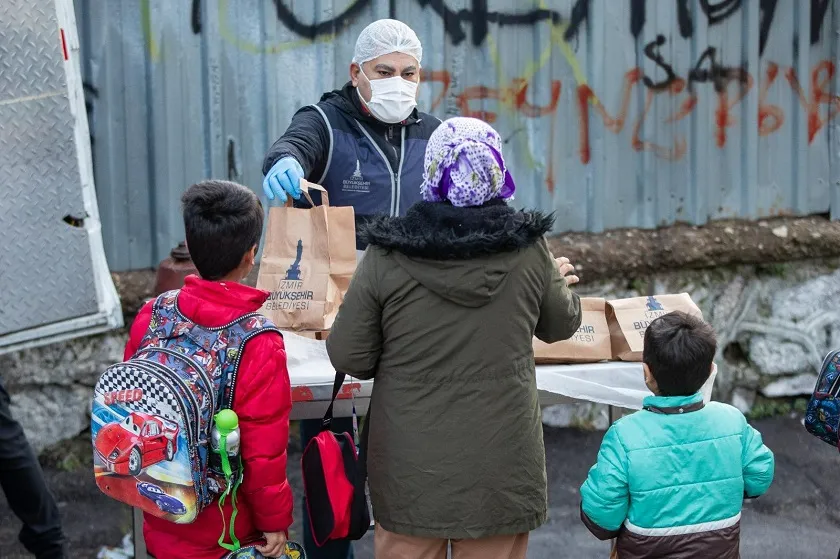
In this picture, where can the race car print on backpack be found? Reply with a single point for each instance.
(822, 418)
(152, 415)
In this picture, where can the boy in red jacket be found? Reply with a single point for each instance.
(223, 223)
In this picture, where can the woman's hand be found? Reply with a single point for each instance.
(565, 268)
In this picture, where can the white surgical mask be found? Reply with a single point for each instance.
(391, 99)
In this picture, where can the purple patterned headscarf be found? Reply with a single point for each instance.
(464, 164)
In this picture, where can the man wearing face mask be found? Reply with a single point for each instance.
(365, 144)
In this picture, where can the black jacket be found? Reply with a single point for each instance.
(307, 138)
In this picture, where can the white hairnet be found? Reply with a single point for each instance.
(384, 37)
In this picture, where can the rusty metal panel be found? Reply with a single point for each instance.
(637, 113)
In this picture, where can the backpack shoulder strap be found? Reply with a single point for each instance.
(239, 334)
(165, 315)
(166, 305)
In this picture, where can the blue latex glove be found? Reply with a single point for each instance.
(283, 179)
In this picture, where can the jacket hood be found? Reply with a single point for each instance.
(216, 303)
(348, 101)
(461, 254)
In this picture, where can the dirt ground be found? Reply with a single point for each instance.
(797, 518)
(634, 253)
(637, 253)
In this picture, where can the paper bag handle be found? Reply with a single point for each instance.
(305, 187)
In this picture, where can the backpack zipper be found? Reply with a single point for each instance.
(164, 371)
(167, 379)
(208, 384)
(201, 373)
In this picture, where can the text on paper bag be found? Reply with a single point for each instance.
(290, 295)
(654, 310)
(585, 334)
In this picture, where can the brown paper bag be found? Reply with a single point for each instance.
(629, 319)
(308, 260)
(590, 344)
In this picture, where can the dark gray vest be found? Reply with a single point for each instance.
(359, 174)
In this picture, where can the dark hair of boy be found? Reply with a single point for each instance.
(223, 221)
(679, 351)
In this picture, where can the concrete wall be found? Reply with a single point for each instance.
(615, 113)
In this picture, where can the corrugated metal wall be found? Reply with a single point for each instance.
(616, 113)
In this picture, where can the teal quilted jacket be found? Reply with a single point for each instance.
(670, 479)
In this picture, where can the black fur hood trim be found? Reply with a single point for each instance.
(441, 231)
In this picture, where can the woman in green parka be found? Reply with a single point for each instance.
(441, 313)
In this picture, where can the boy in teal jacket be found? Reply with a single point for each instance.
(670, 479)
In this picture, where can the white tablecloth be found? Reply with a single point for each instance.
(615, 383)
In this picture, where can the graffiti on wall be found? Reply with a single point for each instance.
(816, 100)
(478, 18)
(639, 105)
(719, 11)
(726, 86)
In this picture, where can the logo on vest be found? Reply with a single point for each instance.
(291, 293)
(356, 182)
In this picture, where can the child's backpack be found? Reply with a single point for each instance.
(152, 416)
(822, 419)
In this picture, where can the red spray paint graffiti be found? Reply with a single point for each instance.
(585, 95)
(821, 77)
(680, 147)
(734, 89)
(770, 117)
(515, 96)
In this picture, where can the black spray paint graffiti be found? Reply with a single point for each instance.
(721, 10)
(195, 16)
(638, 17)
(707, 69)
(717, 74)
(479, 17)
(652, 52)
(322, 28)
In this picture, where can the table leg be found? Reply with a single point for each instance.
(610, 414)
(139, 542)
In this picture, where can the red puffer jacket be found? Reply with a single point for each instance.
(263, 402)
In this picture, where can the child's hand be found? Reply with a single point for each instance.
(275, 544)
